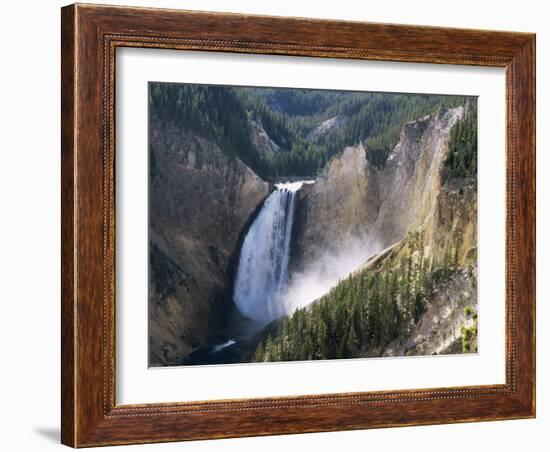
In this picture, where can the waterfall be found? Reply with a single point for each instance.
(262, 273)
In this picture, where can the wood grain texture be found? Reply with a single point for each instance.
(90, 36)
(68, 244)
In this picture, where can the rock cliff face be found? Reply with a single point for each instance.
(439, 329)
(196, 229)
(393, 212)
(452, 304)
(325, 127)
(261, 139)
(411, 180)
(355, 200)
(339, 208)
(191, 249)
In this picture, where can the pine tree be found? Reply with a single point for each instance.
(259, 355)
(322, 339)
(353, 342)
(373, 320)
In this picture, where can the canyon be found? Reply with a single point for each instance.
(195, 230)
(208, 211)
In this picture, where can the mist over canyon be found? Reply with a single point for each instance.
(297, 225)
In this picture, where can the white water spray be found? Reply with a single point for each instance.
(262, 274)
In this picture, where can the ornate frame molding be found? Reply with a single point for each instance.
(90, 37)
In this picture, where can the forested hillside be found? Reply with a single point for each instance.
(367, 310)
(419, 294)
(293, 119)
(462, 158)
(394, 202)
(373, 118)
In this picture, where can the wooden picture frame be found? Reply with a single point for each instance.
(90, 35)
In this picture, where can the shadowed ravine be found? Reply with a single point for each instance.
(261, 279)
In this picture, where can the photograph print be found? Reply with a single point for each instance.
(297, 224)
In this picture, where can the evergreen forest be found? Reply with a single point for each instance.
(290, 117)
(366, 311)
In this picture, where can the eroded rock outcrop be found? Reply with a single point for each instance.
(355, 201)
(325, 127)
(339, 208)
(410, 182)
(409, 212)
(439, 329)
(261, 140)
(353, 204)
(194, 234)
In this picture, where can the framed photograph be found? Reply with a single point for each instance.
(281, 225)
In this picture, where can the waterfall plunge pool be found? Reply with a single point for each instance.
(262, 276)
